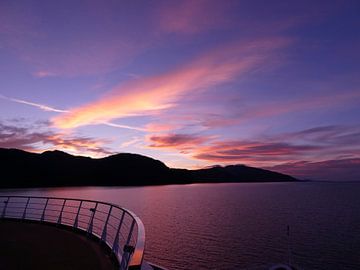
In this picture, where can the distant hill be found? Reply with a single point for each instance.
(55, 168)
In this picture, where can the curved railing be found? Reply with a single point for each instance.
(120, 229)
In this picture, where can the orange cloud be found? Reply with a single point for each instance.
(160, 127)
(152, 94)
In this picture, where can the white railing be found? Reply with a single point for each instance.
(120, 229)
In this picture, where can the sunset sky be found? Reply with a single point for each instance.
(271, 84)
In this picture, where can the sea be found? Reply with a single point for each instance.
(315, 225)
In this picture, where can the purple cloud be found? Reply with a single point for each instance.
(329, 170)
(36, 139)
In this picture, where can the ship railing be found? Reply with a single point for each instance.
(116, 227)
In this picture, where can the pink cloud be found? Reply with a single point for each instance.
(252, 152)
(315, 144)
(159, 92)
(160, 127)
(207, 148)
(43, 74)
(177, 141)
(192, 16)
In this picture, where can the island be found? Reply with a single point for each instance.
(21, 169)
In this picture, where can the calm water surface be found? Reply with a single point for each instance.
(240, 226)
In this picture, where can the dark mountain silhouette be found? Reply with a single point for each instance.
(56, 168)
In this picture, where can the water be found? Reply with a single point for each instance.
(240, 226)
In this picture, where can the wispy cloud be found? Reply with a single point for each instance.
(43, 74)
(110, 124)
(236, 115)
(331, 136)
(178, 141)
(37, 105)
(252, 152)
(132, 142)
(52, 109)
(189, 17)
(201, 16)
(329, 170)
(317, 144)
(159, 92)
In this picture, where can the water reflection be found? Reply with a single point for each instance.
(234, 226)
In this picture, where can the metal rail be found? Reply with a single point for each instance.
(120, 229)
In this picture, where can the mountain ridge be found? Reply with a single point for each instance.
(20, 168)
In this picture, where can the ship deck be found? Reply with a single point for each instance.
(26, 245)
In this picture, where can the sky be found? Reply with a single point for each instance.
(270, 84)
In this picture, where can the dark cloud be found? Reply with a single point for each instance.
(334, 135)
(254, 151)
(177, 141)
(268, 149)
(33, 138)
(338, 145)
(330, 170)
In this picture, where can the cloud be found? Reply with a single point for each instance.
(245, 18)
(153, 94)
(228, 111)
(133, 141)
(160, 127)
(36, 138)
(206, 148)
(251, 152)
(189, 17)
(329, 170)
(244, 113)
(52, 109)
(331, 136)
(43, 74)
(37, 105)
(110, 124)
(177, 141)
(316, 144)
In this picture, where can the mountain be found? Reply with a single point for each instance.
(55, 168)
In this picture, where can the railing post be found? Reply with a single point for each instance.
(26, 206)
(115, 247)
(90, 226)
(103, 235)
(43, 213)
(128, 250)
(5, 206)
(61, 212)
(77, 216)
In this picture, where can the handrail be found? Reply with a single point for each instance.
(96, 218)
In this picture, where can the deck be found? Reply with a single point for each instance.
(25, 245)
